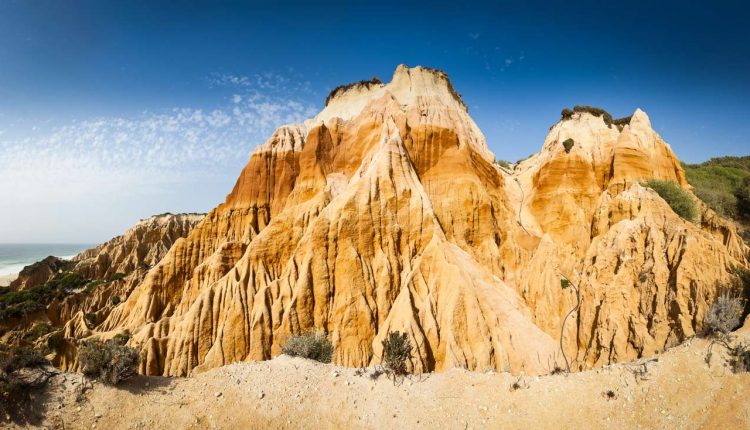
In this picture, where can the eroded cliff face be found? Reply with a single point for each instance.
(386, 212)
(103, 276)
(141, 247)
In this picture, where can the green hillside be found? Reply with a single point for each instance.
(724, 184)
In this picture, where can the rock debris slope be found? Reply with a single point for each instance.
(387, 212)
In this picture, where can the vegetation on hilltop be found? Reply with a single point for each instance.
(343, 88)
(723, 183)
(567, 113)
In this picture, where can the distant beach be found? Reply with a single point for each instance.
(14, 257)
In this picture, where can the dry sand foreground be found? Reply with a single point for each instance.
(678, 391)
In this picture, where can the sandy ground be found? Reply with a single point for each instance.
(5, 280)
(680, 390)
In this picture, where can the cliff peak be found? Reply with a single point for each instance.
(409, 86)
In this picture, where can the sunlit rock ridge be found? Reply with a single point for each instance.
(387, 212)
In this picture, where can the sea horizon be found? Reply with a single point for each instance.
(15, 256)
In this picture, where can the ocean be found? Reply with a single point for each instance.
(13, 257)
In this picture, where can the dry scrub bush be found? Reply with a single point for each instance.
(110, 361)
(313, 345)
(724, 315)
(739, 358)
(22, 371)
(396, 353)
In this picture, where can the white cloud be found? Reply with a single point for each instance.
(126, 160)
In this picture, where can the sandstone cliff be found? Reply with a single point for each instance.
(37, 273)
(386, 212)
(97, 279)
(141, 247)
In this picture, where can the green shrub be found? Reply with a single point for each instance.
(121, 338)
(72, 281)
(568, 144)
(19, 358)
(115, 300)
(742, 196)
(396, 353)
(116, 277)
(567, 114)
(91, 286)
(22, 371)
(313, 345)
(622, 122)
(677, 198)
(91, 318)
(109, 361)
(18, 304)
(503, 163)
(525, 158)
(723, 184)
(56, 341)
(724, 315)
(39, 330)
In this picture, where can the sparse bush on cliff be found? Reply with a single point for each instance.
(568, 144)
(724, 315)
(678, 199)
(115, 300)
(503, 163)
(91, 318)
(567, 113)
(739, 358)
(22, 372)
(742, 194)
(18, 304)
(396, 353)
(343, 88)
(313, 345)
(121, 338)
(116, 277)
(595, 111)
(622, 122)
(56, 341)
(39, 330)
(110, 361)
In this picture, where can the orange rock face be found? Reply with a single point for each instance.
(387, 212)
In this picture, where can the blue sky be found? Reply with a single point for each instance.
(111, 111)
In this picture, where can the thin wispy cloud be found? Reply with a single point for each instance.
(151, 153)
